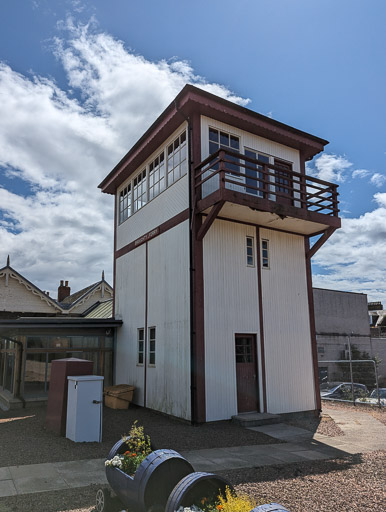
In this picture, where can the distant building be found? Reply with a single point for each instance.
(213, 217)
(35, 329)
(341, 320)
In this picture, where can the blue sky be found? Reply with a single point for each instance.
(81, 80)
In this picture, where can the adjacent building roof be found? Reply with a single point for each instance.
(101, 310)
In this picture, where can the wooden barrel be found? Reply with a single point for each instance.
(153, 481)
(270, 507)
(194, 487)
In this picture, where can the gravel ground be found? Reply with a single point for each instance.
(324, 425)
(376, 412)
(355, 483)
(25, 430)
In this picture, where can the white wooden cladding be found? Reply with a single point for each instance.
(130, 288)
(287, 338)
(167, 205)
(250, 141)
(231, 306)
(168, 309)
(15, 296)
(168, 383)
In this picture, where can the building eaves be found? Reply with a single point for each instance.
(192, 99)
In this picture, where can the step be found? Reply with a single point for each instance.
(255, 419)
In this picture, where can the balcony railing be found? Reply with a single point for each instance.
(228, 175)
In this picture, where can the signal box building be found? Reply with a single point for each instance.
(213, 217)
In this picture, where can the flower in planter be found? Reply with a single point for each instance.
(139, 448)
(228, 503)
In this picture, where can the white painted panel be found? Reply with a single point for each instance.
(130, 306)
(169, 203)
(287, 338)
(249, 141)
(168, 383)
(231, 307)
(15, 296)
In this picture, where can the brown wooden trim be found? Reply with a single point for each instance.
(210, 218)
(159, 230)
(318, 244)
(261, 318)
(193, 100)
(145, 328)
(198, 329)
(115, 248)
(311, 310)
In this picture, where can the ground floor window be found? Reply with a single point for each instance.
(152, 337)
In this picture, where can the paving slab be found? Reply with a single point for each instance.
(80, 473)
(5, 474)
(7, 488)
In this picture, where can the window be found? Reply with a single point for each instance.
(125, 203)
(139, 191)
(265, 253)
(157, 176)
(219, 139)
(176, 158)
(250, 252)
(254, 178)
(152, 346)
(141, 341)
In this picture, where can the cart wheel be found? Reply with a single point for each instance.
(103, 500)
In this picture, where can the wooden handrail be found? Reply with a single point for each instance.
(307, 192)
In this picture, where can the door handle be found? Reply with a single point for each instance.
(97, 401)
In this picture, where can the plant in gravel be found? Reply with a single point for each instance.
(139, 447)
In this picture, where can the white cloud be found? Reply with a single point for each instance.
(360, 173)
(61, 147)
(378, 179)
(329, 167)
(354, 256)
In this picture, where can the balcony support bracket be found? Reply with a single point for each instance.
(318, 244)
(209, 220)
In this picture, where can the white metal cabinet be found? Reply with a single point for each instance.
(84, 408)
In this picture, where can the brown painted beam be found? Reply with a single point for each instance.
(209, 220)
(311, 311)
(318, 244)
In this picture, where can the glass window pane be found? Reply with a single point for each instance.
(183, 137)
(224, 139)
(213, 135)
(152, 358)
(235, 144)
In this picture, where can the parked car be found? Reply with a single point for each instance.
(343, 391)
(373, 398)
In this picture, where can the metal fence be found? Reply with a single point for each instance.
(351, 380)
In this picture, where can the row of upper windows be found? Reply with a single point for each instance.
(169, 165)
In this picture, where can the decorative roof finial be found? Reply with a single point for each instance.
(8, 260)
(103, 275)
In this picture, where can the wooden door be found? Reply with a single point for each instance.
(246, 373)
(283, 182)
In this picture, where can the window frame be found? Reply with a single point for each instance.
(150, 340)
(265, 241)
(139, 352)
(145, 173)
(252, 247)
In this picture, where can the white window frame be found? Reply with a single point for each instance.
(150, 339)
(252, 252)
(267, 266)
(139, 200)
(139, 340)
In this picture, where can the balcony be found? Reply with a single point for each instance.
(258, 192)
